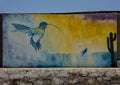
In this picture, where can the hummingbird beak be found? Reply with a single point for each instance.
(55, 26)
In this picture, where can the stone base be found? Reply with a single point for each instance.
(60, 77)
(63, 76)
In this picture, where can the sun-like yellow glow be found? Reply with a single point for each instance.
(76, 33)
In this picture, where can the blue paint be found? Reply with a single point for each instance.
(102, 60)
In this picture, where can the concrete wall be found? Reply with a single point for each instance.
(60, 76)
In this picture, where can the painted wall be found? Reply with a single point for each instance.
(75, 40)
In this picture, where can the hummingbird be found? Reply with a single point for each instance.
(36, 34)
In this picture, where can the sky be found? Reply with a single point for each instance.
(44, 6)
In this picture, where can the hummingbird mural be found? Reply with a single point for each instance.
(37, 32)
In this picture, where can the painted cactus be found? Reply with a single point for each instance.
(110, 45)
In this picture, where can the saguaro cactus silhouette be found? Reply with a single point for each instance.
(110, 45)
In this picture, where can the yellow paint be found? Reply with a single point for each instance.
(76, 33)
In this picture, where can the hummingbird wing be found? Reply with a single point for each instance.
(31, 32)
(22, 28)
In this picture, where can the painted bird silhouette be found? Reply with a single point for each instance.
(36, 34)
(84, 51)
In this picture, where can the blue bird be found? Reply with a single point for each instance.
(33, 32)
(84, 52)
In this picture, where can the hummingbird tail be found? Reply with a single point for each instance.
(36, 45)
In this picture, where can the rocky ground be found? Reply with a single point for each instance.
(98, 76)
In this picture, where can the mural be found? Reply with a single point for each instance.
(60, 40)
